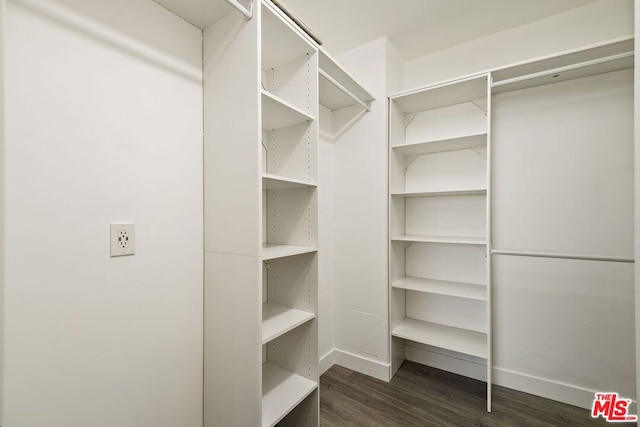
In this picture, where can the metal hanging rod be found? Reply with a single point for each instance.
(346, 91)
(563, 69)
(563, 256)
(297, 21)
(246, 11)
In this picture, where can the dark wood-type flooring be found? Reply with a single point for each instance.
(422, 396)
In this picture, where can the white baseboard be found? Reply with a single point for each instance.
(361, 364)
(566, 393)
(327, 361)
(554, 390)
(468, 368)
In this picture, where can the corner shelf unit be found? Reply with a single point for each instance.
(439, 211)
(261, 215)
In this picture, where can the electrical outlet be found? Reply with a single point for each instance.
(123, 238)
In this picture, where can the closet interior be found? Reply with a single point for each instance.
(504, 237)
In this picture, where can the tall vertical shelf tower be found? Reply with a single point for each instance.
(261, 268)
(439, 217)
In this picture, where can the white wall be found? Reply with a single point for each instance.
(563, 183)
(103, 123)
(326, 240)
(636, 135)
(594, 23)
(361, 217)
(2, 6)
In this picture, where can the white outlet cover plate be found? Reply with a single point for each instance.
(122, 237)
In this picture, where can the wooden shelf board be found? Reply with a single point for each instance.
(282, 391)
(442, 287)
(278, 113)
(441, 239)
(278, 320)
(447, 337)
(278, 182)
(443, 95)
(437, 146)
(270, 251)
(467, 192)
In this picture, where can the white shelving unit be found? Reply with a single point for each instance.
(442, 336)
(282, 392)
(439, 221)
(465, 192)
(261, 210)
(276, 182)
(442, 287)
(278, 320)
(270, 252)
(278, 113)
(457, 240)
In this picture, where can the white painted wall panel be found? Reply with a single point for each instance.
(636, 121)
(447, 216)
(448, 171)
(326, 235)
(440, 261)
(103, 123)
(565, 321)
(563, 167)
(2, 210)
(563, 183)
(361, 212)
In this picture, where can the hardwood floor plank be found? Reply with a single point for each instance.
(419, 395)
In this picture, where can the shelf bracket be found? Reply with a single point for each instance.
(481, 104)
(407, 245)
(480, 152)
(246, 11)
(411, 160)
(409, 118)
(363, 104)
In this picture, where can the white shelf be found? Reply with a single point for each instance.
(557, 62)
(280, 251)
(332, 97)
(278, 182)
(468, 192)
(282, 391)
(437, 146)
(278, 113)
(281, 44)
(441, 239)
(454, 339)
(443, 95)
(442, 287)
(278, 320)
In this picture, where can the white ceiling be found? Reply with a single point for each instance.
(415, 27)
(419, 27)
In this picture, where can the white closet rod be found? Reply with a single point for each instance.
(563, 69)
(246, 11)
(345, 90)
(563, 256)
